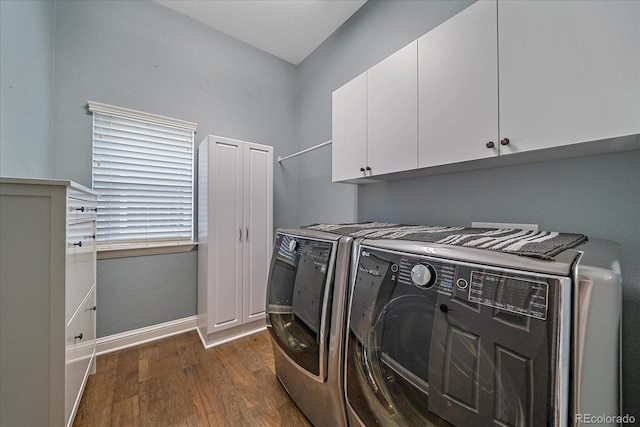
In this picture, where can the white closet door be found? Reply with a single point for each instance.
(225, 251)
(258, 208)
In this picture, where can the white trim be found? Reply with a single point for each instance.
(228, 335)
(129, 250)
(140, 115)
(135, 337)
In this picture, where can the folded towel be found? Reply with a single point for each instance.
(537, 244)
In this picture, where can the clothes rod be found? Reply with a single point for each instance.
(315, 147)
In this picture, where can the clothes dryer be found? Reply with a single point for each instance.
(446, 335)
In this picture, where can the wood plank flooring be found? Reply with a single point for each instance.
(176, 382)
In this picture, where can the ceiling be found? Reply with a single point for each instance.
(288, 29)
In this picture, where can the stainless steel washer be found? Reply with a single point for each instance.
(306, 305)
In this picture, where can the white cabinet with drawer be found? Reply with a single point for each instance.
(47, 299)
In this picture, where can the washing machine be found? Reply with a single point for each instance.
(306, 307)
(442, 335)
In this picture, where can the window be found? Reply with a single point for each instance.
(143, 172)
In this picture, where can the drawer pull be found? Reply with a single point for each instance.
(78, 337)
(82, 209)
(90, 236)
(79, 244)
(94, 308)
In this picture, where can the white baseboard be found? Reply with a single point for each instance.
(231, 334)
(135, 337)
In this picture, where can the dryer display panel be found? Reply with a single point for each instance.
(298, 277)
(514, 294)
(441, 342)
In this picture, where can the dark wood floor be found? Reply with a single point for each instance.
(176, 382)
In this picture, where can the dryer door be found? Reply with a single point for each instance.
(490, 351)
(299, 285)
(435, 342)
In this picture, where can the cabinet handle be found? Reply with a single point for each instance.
(368, 169)
(78, 337)
(247, 233)
(79, 244)
(490, 144)
(361, 169)
(94, 209)
(90, 236)
(240, 233)
(504, 141)
(81, 209)
(94, 308)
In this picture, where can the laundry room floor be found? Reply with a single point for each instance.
(176, 382)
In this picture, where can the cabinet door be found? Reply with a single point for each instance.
(569, 72)
(349, 130)
(258, 208)
(226, 232)
(458, 88)
(392, 112)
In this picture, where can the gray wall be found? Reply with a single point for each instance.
(374, 32)
(598, 196)
(26, 85)
(144, 56)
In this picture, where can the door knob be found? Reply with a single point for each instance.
(490, 144)
(504, 141)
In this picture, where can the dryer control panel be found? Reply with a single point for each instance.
(516, 293)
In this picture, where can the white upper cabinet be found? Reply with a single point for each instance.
(458, 88)
(569, 72)
(349, 130)
(392, 113)
(500, 77)
(375, 119)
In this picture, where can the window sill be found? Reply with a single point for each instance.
(142, 249)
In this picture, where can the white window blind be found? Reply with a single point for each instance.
(143, 172)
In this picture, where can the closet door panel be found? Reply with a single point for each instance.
(258, 189)
(225, 252)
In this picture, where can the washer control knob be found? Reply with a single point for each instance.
(423, 275)
(292, 245)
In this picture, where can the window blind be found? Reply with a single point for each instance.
(143, 174)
